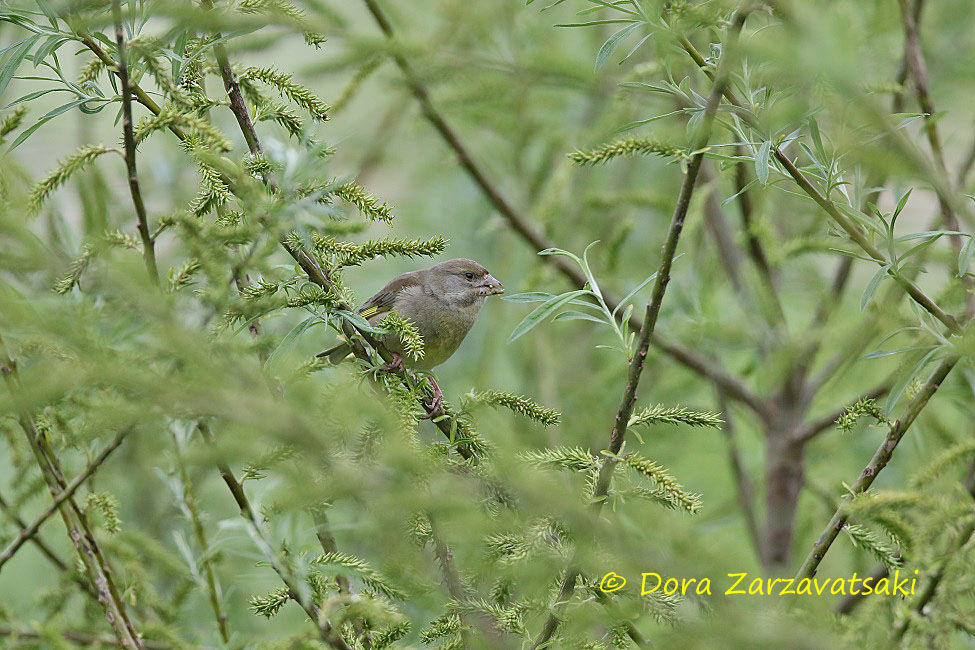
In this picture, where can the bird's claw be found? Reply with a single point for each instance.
(435, 407)
(395, 364)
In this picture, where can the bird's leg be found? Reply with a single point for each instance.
(394, 364)
(435, 406)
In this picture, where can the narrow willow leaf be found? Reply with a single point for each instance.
(612, 43)
(528, 296)
(578, 315)
(901, 385)
(965, 256)
(13, 58)
(872, 286)
(542, 312)
(761, 162)
(289, 341)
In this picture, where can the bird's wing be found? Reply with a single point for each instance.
(384, 301)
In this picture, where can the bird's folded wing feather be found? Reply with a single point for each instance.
(385, 299)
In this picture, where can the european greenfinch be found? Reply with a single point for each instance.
(443, 302)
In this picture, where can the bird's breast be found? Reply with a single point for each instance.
(442, 325)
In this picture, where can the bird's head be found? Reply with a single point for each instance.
(463, 279)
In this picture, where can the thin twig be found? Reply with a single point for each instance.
(189, 500)
(148, 243)
(455, 588)
(637, 363)
(918, 69)
(847, 224)
(35, 539)
(326, 632)
(811, 429)
(744, 488)
(96, 566)
(880, 459)
(80, 638)
(28, 532)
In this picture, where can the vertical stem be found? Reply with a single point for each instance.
(213, 587)
(880, 459)
(96, 567)
(326, 632)
(637, 363)
(148, 244)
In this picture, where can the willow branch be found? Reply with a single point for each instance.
(879, 461)
(128, 136)
(455, 587)
(96, 567)
(28, 532)
(638, 362)
(35, 539)
(80, 638)
(189, 500)
(814, 428)
(854, 232)
(918, 69)
(326, 632)
(744, 488)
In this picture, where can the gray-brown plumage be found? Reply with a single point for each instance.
(442, 301)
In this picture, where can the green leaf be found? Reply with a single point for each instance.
(816, 137)
(901, 385)
(872, 286)
(542, 312)
(578, 315)
(612, 43)
(761, 162)
(46, 118)
(965, 256)
(13, 58)
(528, 296)
(290, 340)
(597, 22)
(929, 233)
(900, 207)
(563, 253)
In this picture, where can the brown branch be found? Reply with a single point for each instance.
(854, 232)
(80, 638)
(455, 588)
(326, 632)
(735, 388)
(811, 429)
(35, 539)
(96, 567)
(755, 249)
(28, 532)
(637, 363)
(851, 602)
(148, 244)
(918, 69)
(880, 459)
(763, 300)
(189, 500)
(744, 488)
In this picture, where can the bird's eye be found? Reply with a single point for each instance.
(469, 276)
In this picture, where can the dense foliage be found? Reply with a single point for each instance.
(195, 196)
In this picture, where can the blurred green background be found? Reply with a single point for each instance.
(522, 93)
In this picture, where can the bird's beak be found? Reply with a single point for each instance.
(489, 286)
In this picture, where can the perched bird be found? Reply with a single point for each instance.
(442, 301)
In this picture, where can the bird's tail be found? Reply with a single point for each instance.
(337, 353)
